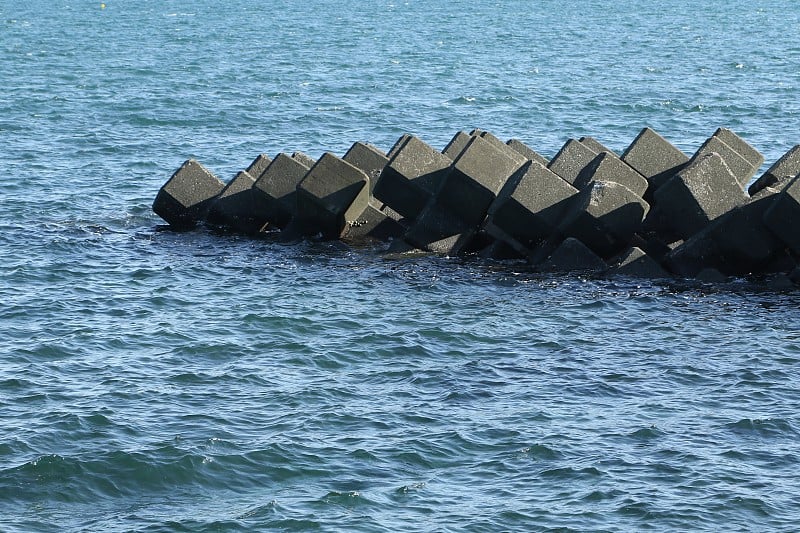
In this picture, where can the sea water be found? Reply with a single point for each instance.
(160, 381)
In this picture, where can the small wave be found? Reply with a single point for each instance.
(765, 428)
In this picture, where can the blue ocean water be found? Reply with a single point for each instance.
(159, 381)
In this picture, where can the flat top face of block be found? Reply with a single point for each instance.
(416, 158)
(538, 188)
(526, 151)
(330, 175)
(192, 183)
(282, 176)
(259, 165)
(788, 165)
(399, 143)
(571, 159)
(457, 145)
(738, 165)
(305, 159)
(650, 154)
(608, 167)
(366, 158)
(487, 164)
(602, 197)
(745, 149)
(593, 144)
(241, 182)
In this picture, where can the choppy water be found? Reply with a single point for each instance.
(153, 381)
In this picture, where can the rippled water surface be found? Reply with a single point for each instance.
(160, 381)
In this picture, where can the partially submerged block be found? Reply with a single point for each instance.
(438, 231)
(275, 192)
(654, 157)
(369, 159)
(635, 263)
(604, 216)
(572, 256)
(783, 216)
(527, 152)
(235, 206)
(701, 192)
(332, 193)
(184, 199)
(571, 160)
(412, 177)
(788, 166)
(372, 224)
(738, 165)
(608, 167)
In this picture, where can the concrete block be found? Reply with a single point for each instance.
(184, 199)
(438, 231)
(711, 275)
(275, 191)
(477, 176)
(742, 147)
(595, 145)
(788, 166)
(604, 216)
(235, 207)
(368, 159)
(372, 225)
(783, 216)
(500, 251)
(608, 167)
(573, 256)
(527, 152)
(530, 209)
(412, 177)
(397, 145)
(635, 263)
(457, 144)
(332, 194)
(571, 160)
(304, 159)
(698, 194)
(258, 166)
(738, 165)
(654, 157)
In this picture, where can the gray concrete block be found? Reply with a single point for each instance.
(275, 191)
(530, 209)
(500, 251)
(332, 194)
(635, 263)
(698, 194)
(477, 176)
(595, 145)
(571, 160)
(398, 144)
(788, 166)
(742, 147)
(608, 167)
(412, 177)
(457, 144)
(235, 207)
(372, 225)
(438, 231)
(783, 216)
(304, 159)
(738, 165)
(711, 275)
(604, 216)
(184, 199)
(258, 166)
(572, 256)
(527, 152)
(654, 157)
(369, 159)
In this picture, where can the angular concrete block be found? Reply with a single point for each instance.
(235, 207)
(438, 231)
(372, 225)
(738, 165)
(527, 152)
(572, 256)
(184, 199)
(635, 263)
(654, 157)
(788, 166)
(258, 166)
(608, 167)
(397, 145)
(368, 159)
(604, 216)
(304, 159)
(530, 210)
(332, 194)
(783, 216)
(477, 176)
(742, 147)
(457, 144)
(698, 194)
(412, 177)
(571, 160)
(275, 191)
(596, 146)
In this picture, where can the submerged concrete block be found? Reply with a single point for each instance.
(438, 231)
(184, 199)
(571, 160)
(368, 159)
(527, 152)
(275, 191)
(635, 263)
(529, 210)
(698, 194)
(604, 216)
(372, 225)
(412, 177)
(235, 206)
(783, 216)
(332, 194)
(608, 167)
(788, 166)
(258, 166)
(738, 165)
(654, 157)
(572, 256)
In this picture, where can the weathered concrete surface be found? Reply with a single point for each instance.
(595, 145)
(635, 263)
(304, 159)
(332, 194)
(372, 225)
(258, 166)
(527, 152)
(783, 216)
(412, 177)
(185, 198)
(571, 160)
(572, 256)
(368, 159)
(397, 145)
(698, 194)
(788, 166)
(235, 207)
(275, 191)
(608, 167)
(457, 144)
(738, 165)
(655, 158)
(529, 210)
(441, 232)
(604, 216)
(742, 147)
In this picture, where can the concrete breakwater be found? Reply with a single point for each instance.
(652, 211)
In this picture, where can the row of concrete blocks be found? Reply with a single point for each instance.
(652, 211)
